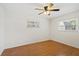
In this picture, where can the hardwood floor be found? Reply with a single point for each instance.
(45, 48)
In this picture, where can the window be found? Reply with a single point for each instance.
(69, 25)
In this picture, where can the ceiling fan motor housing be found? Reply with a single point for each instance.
(45, 8)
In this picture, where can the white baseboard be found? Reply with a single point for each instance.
(20, 44)
(66, 43)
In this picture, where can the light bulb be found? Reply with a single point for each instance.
(47, 12)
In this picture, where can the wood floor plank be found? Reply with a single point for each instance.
(45, 48)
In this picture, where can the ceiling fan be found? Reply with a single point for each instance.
(47, 9)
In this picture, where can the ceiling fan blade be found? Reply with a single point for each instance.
(41, 13)
(38, 9)
(50, 4)
(55, 10)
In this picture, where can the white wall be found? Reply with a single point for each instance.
(17, 32)
(1, 29)
(66, 37)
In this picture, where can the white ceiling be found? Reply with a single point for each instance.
(28, 8)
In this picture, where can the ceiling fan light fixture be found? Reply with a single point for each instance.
(47, 13)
